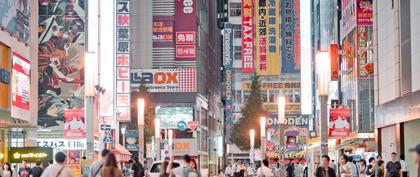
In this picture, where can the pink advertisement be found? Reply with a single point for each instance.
(21, 80)
(339, 122)
(185, 30)
(74, 126)
(364, 12)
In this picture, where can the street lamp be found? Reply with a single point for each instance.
(262, 128)
(123, 131)
(170, 140)
(252, 143)
(140, 124)
(157, 136)
(323, 66)
(91, 73)
(281, 106)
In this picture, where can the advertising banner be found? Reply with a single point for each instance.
(185, 146)
(248, 36)
(334, 61)
(60, 61)
(30, 154)
(166, 80)
(76, 169)
(21, 82)
(364, 67)
(273, 85)
(228, 65)
(290, 34)
(122, 92)
(14, 17)
(163, 31)
(339, 125)
(364, 13)
(267, 35)
(73, 157)
(174, 117)
(348, 17)
(131, 140)
(349, 51)
(74, 127)
(63, 144)
(185, 29)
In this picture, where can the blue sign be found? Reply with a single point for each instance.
(4, 76)
(181, 125)
(290, 53)
(228, 79)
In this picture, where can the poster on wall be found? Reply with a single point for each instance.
(228, 77)
(185, 30)
(60, 60)
(14, 17)
(74, 126)
(174, 117)
(21, 81)
(339, 125)
(364, 13)
(267, 37)
(248, 36)
(166, 80)
(290, 34)
(163, 31)
(131, 140)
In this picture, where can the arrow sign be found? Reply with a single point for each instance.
(192, 125)
(105, 127)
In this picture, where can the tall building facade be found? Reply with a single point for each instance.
(396, 48)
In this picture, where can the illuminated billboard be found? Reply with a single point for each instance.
(174, 117)
(166, 80)
(248, 36)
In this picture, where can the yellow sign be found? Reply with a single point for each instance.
(76, 169)
(18, 155)
(290, 107)
(267, 37)
(273, 85)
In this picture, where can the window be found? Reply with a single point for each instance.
(237, 34)
(237, 52)
(273, 94)
(297, 96)
(246, 95)
(238, 96)
(235, 9)
(264, 96)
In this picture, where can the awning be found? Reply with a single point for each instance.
(121, 153)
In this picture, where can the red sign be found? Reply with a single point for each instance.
(192, 125)
(185, 37)
(364, 12)
(334, 61)
(74, 126)
(21, 81)
(339, 122)
(185, 51)
(247, 36)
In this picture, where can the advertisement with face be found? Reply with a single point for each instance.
(14, 17)
(174, 117)
(339, 125)
(74, 126)
(20, 81)
(60, 60)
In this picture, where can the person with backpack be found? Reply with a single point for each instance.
(59, 169)
(325, 170)
(97, 165)
(393, 167)
(264, 171)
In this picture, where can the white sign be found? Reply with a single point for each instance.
(63, 144)
(185, 146)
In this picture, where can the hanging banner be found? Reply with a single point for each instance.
(60, 60)
(74, 126)
(334, 62)
(364, 13)
(228, 69)
(248, 36)
(348, 17)
(163, 31)
(21, 81)
(267, 35)
(349, 51)
(290, 34)
(131, 140)
(185, 30)
(122, 70)
(364, 67)
(339, 125)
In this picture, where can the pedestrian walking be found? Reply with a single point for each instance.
(325, 170)
(370, 169)
(362, 168)
(58, 169)
(381, 169)
(297, 170)
(393, 167)
(182, 171)
(333, 165)
(416, 154)
(290, 170)
(38, 169)
(238, 169)
(98, 164)
(194, 167)
(345, 167)
(162, 172)
(354, 167)
(228, 170)
(7, 170)
(378, 158)
(110, 167)
(250, 171)
(404, 166)
(25, 171)
(264, 171)
(138, 168)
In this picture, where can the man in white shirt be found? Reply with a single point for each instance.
(228, 171)
(404, 167)
(264, 170)
(58, 169)
(250, 171)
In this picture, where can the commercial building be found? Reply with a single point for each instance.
(397, 49)
(18, 75)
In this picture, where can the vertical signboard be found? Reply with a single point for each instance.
(131, 140)
(228, 63)
(364, 67)
(334, 61)
(163, 31)
(60, 60)
(74, 126)
(14, 17)
(364, 12)
(21, 80)
(248, 36)
(306, 58)
(339, 125)
(267, 35)
(122, 69)
(348, 17)
(290, 35)
(349, 51)
(185, 30)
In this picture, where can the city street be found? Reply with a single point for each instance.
(209, 88)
